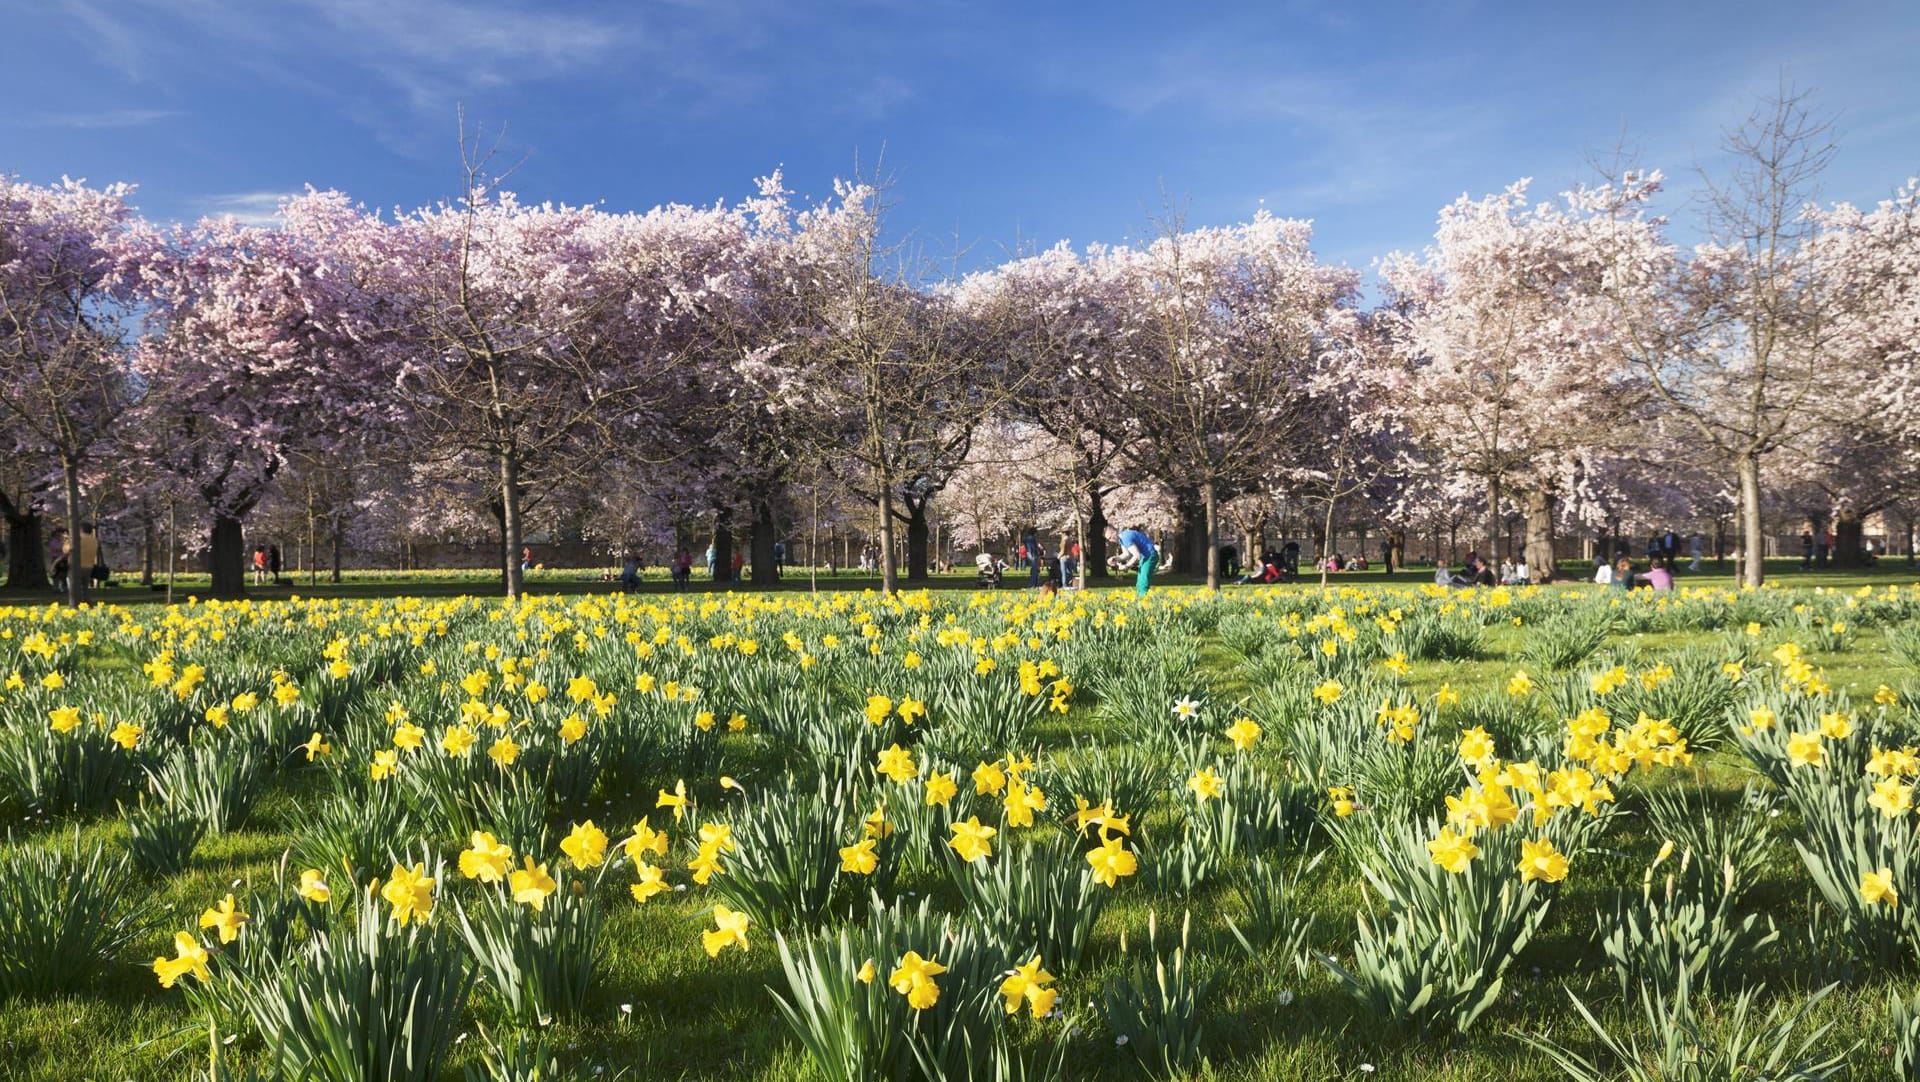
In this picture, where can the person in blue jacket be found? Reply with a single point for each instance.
(1136, 550)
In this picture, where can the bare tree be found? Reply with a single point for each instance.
(1743, 341)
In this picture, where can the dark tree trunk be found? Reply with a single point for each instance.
(723, 546)
(26, 547)
(1849, 535)
(227, 557)
(338, 531)
(146, 550)
(1093, 561)
(507, 555)
(1540, 562)
(1190, 532)
(78, 578)
(1496, 524)
(765, 533)
(917, 536)
(1210, 501)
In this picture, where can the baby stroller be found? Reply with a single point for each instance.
(987, 573)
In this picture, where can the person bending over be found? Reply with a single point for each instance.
(1136, 551)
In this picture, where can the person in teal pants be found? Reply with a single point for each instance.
(1136, 550)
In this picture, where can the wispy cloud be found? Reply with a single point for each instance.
(106, 118)
(247, 208)
(110, 37)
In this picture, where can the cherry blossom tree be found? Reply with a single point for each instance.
(259, 343)
(1513, 375)
(893, 377)
(66, 252)
(541, 335)
(1063, 318)
(1236, 322)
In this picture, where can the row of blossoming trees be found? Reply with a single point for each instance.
(474, 365)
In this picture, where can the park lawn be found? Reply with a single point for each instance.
(663, 1009)
(373, 583)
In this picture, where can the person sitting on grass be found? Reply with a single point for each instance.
(1266, 574)
(1657, 577)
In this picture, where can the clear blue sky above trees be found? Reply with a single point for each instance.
(1003, 125)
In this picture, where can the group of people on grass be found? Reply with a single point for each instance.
(1046, 571)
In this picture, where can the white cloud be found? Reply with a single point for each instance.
(247, 208)
(106, 118)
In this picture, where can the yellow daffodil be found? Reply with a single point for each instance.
(189, 957)
(972, 840)
(313, 886)
(1206, 785)
(1540, 860)
(1111, 861)
(652, 881)
(1877, 887)
(859, 858)
(410, 892)
(914, 978)
(585, 845)
(1453, 851)
(1244, 733)
(730, 930)
(225, 918)
(1029, 984)
(531, 885)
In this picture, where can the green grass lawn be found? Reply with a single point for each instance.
(662, 1009)
(375, 583)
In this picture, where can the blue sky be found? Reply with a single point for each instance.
(1003, 125)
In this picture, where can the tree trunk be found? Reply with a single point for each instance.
(510, 520)
(312, 553)
(226, 557)
(338, 531)
(1326, 534)
(1396, 550)
(1190, 525)
(1210, 501)
(917, 535)
(1496, 529)
(889, 571)
(78, 578)
(1753, 538)
(1849, 534)
(26, 546)
(146, 549)
(1093, 555)
(505, 555)
(723, 545)
(1539, 551)
(761, 542)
